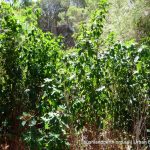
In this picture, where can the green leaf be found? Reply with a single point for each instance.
(139, 66)
(23, 123)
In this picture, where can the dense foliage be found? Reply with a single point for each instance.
(47, 93)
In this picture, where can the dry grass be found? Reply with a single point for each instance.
(91, 138)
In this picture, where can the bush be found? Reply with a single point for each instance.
(101, 83)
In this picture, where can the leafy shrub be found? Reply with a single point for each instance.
(100, 82)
